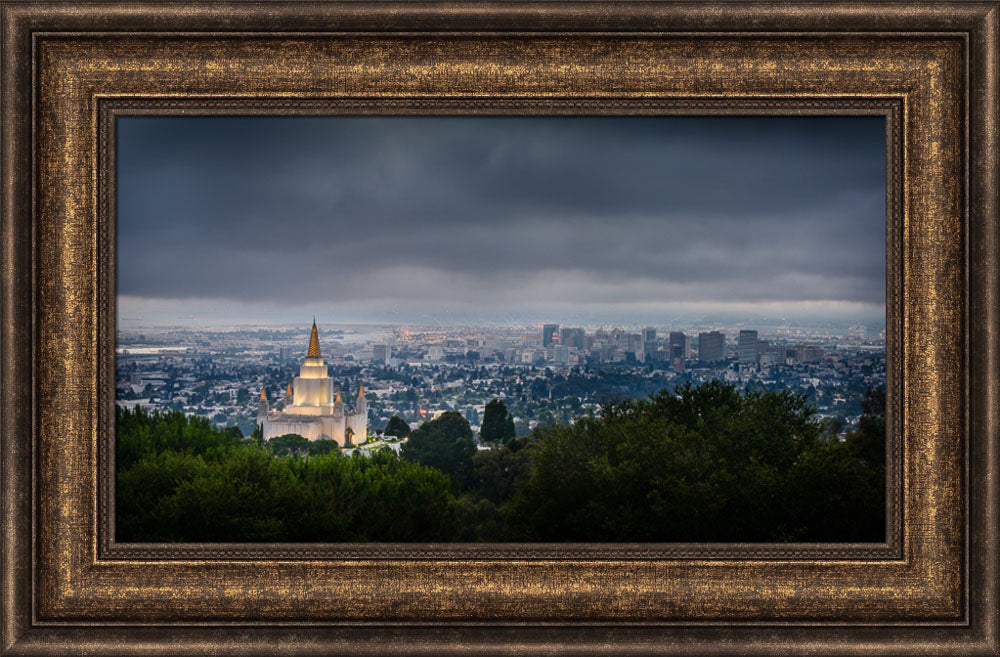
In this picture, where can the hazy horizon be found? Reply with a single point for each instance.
(179, 318)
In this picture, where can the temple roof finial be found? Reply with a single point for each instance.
(361, 392)
(338, 394)
(313, 343)
(263, 393)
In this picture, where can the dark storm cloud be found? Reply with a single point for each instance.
(516, 211)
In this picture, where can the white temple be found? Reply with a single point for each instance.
(315, 411)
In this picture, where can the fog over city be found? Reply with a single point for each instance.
(500, 220)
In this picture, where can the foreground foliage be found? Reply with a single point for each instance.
(220, 488)
(701, 463)
(706, 463)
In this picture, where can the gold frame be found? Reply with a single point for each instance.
(68, 69)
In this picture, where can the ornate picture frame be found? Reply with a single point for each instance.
(70, 68)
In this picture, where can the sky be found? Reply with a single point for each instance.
(459, 220)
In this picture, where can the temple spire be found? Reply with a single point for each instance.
(313, 343)
(263, 393)
(338, 394)
(361, 392)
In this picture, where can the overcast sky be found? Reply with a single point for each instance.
(438, 220)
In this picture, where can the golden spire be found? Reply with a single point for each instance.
(338, 394)
(361, 394)
(313, 343)
(263, 393)
(289, 393)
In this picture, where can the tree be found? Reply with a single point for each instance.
(838, 488)
(445, 443)
(289, 444)
(398, 427)
(181, 479)
(493, 427)
(499, 471)
(868, 441)
(836, 496)
(258, 434)
(322, 446)
(509, 431)
(704, 463)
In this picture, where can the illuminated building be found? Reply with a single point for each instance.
(314, 410)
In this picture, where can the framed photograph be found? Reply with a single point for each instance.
(376, 327)
(725, 341)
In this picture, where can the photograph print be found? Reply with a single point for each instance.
(500, 329)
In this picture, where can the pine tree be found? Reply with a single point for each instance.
(493, 429)
(509, 433)
(397, 427)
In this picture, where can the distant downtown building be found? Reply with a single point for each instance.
(711, 346)
(649, 342)
(631, 343)
(807, 353)
(380, 353)
(678, 345)
(571, 337)
(549, 332)
(748, 347)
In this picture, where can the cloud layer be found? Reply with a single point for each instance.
(478, 215)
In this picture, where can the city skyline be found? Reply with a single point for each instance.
(500, 220)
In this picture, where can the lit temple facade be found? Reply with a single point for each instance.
(316, 410)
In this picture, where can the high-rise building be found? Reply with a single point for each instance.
(808, 353)
(711, 346)
(649, 342)
(748, 347)
(571, 337)
(380, 353)
(631, 343)
(549, 332)
(678, 345)
(560, 354)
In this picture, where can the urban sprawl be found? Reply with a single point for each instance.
(544, 374)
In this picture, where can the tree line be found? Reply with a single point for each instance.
(703, 462)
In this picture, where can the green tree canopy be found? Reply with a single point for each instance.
(868, 441)
(700, 463)
(445, 443)
(289, 444)
(187, 481)
(498, 472)
(398, 427)
(509, 431)
(493, 427)
(704, 463)
(322, 446)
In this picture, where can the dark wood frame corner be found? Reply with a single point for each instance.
(68, 69)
